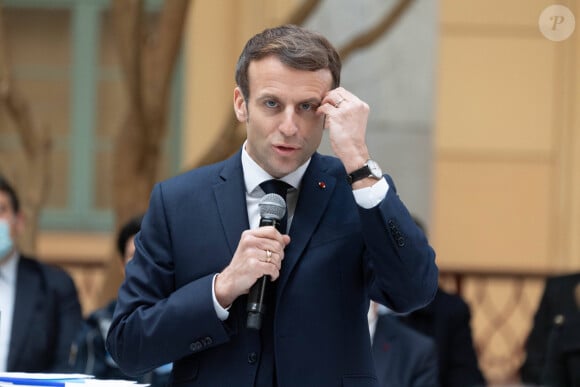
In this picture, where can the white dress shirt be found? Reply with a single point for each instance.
(372, 317)
(254, 176)
(8, 273)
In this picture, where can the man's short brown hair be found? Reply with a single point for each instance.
(294, 46)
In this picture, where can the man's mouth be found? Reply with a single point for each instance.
(285, 148)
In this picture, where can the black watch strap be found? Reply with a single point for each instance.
(359, 174)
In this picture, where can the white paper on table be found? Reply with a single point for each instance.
(67, 380)
(111, 382)
(43, 376)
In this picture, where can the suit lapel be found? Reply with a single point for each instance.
(231, 201)
(27, 293)
(315, 193)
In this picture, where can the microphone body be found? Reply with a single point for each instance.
(272, 210)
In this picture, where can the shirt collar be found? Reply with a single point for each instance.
(254, 175)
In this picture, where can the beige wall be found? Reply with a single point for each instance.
(507, 170)
(573, 154)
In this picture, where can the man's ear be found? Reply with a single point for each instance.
(19, 223)
(122, 268)
(240, 107)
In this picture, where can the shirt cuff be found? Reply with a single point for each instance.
(221, 312)
(369, 197)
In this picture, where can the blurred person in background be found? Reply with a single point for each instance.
(447, 319)
(402, 356)
(88, 353)
(552, 347)
(40, 310)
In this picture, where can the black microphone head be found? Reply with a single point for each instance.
(272, 206)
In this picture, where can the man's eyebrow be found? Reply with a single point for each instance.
(267, 96)
(312, 101)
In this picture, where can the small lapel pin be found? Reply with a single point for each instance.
(322, 184)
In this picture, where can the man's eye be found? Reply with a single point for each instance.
(306, 106)
(271, 104)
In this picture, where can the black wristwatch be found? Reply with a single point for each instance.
(370, 169)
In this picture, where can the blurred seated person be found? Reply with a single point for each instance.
(88, 353)
(553, 345)
(447, 319)
(39, 305)
(562, 367)
(402, 356)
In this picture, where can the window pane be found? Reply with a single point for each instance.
(66, 67)
(112, 105)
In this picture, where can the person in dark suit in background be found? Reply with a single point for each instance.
(402, 356)
(447, 319)
(39, 306)
(200, 250)
(88, 352)
(552, 347)
(562, 367)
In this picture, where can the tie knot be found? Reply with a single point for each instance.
(275, 186)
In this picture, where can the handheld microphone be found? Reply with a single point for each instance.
(272, 210)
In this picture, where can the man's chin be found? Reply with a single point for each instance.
(280, 171)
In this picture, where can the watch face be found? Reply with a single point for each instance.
(375, 169)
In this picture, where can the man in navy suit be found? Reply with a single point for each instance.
(200, 250)
(40, 311)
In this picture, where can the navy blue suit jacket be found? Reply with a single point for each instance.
(403, 357)
(339, 255)
(47, 316)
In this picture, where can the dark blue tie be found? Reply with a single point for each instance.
(281, 188)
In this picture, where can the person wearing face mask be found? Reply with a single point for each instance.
(39, 305)
(88, 353)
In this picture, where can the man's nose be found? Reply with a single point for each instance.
(289, 124)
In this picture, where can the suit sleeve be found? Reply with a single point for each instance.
(402, 264)
(156, 324)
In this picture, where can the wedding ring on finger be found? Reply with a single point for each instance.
(268, 256)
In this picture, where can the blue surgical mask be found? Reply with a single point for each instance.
(6, 243)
